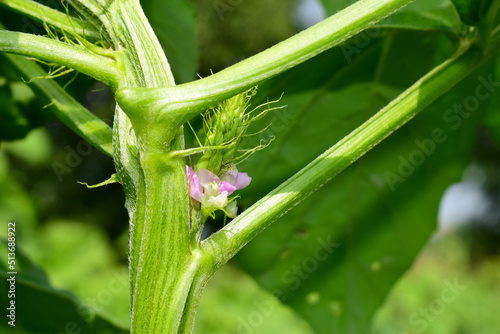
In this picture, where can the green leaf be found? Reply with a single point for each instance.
(492, 117)
(472, 11)
(174, 24)
(39, 308)
(427, 16)
(335, 257)
(229, 303)
(445, 262)
(19, 110)
(436, 15)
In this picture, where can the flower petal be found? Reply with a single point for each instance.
(195, 189)
(207, 177)
(189, 172)
(230, 176)
(217, 202)
(242, 180)
(226, 186)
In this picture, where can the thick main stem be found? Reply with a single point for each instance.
(159, 248)
(164, 269)
(167, 275)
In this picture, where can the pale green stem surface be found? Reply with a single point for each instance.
(126, 26)
(102, 68)
(53, 17)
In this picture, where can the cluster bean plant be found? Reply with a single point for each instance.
(328, 95)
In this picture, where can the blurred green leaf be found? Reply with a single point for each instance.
(64, 106)
(438, 15)
(78, 258)
(234, 303)
(472, 11)
(15, 202)
(445, 262)
(492, 119)
(19, 110)
(39, 308)
(335, 257)
(174, 24)
(426, 15)
(229, 31)
(35, 149)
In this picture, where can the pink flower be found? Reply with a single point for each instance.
(212, 191)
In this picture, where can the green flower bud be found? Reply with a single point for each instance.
(224, 127)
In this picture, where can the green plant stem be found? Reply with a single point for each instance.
(146, 54)
(486, 25)
(180, 103)
(203, 275)
(165, 270)
(55, 18)
(102, 68)
(159, 248)
(126, 27)
(168, 273)
(224, 244)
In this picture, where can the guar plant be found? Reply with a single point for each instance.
(171, 190)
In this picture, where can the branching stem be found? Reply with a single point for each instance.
(99, 67)
(224, 244)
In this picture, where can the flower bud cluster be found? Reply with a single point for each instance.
(225, 126)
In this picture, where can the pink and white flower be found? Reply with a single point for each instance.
(212, 192)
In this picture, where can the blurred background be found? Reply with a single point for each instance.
(79, 236)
